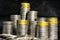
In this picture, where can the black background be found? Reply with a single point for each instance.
(44, 7)
(8, 7)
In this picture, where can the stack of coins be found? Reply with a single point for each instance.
(53, 25)
(32, 16)
(22, 28)
(7, 27)
(42, 30)
(25, 7)
(14, 19)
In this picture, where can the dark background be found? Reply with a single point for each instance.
(45, 8)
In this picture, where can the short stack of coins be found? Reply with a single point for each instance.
(14, 19)
(7, 27)
(7, 30)
(42, 24)
(53, 25)
(22, 28)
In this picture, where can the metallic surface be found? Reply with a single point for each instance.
(33, 28)
(27, 38)
(43, 28)
(29, 27)
(22, 28)
(37, 34)
(14, 19)
(53, 32)
(7, 27)
(32, 15)
(24, 12)
(53, 25)
(25, 7)
(8, 37)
